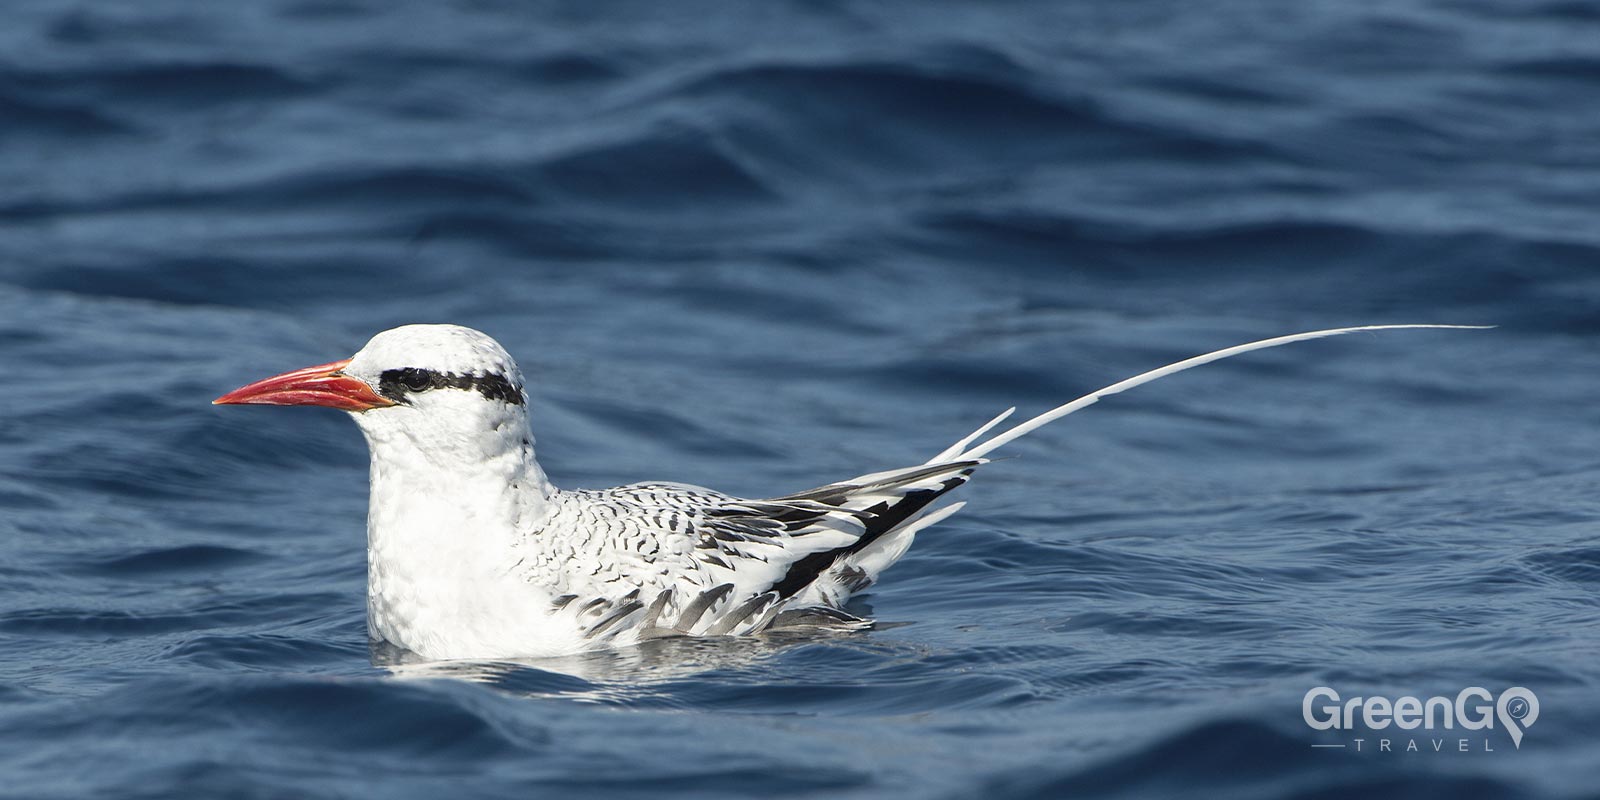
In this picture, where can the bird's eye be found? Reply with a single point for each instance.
(400, 384)
(396, 384)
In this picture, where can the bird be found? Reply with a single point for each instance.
(473, 553)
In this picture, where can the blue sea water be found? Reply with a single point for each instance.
(762, 247)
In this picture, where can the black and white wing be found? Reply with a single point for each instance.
(661, 559)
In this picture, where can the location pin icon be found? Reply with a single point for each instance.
(1517, 708)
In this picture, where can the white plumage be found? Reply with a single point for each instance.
(473, 553)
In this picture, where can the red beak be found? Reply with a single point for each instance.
(322, 385)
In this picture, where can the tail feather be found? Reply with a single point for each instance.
(854, 571)
(963, 453)
(953, 451)
(890, 507)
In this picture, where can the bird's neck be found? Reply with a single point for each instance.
(446, 508)
(463, 490)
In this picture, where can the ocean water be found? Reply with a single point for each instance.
(761, 247)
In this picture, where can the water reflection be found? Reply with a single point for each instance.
(623, 675)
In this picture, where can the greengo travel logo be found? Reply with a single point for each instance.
(1463, 723)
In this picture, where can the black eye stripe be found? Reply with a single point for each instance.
(395, 384)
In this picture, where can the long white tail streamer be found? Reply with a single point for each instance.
(960, 452)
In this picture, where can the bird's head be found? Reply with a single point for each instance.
(441, 378)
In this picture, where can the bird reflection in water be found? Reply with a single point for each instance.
(618, 675)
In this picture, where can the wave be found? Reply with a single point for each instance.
(161, 85)
(1246, 758)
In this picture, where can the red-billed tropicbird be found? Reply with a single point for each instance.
(473, 553)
